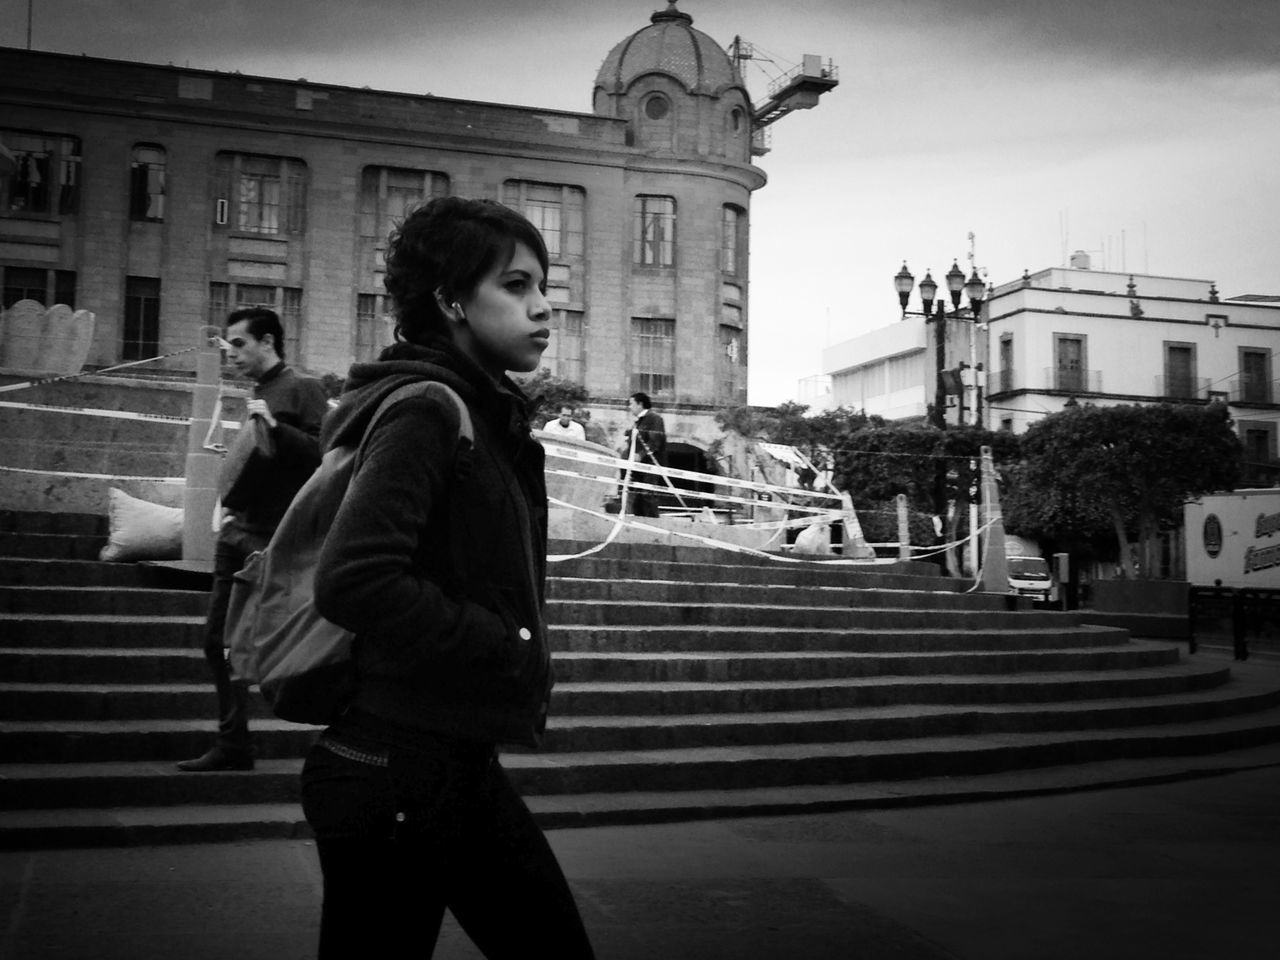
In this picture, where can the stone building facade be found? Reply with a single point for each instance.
(162, 197)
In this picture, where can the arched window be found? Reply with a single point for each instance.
(146, 182)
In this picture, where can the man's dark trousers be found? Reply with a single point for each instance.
(235, 543)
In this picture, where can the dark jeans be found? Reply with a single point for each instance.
(233, 547)
(436, 828)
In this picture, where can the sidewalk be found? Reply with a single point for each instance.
(1178, 871)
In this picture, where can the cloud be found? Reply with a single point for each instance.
(1165, 35)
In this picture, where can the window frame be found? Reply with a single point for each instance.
(650, 246)
(147, 189)
(653, 360)
(56, 191)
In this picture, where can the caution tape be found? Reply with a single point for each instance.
(586, 456)
(90, 476)
(709, 541)
(9, 387)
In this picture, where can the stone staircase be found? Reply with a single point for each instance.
(691, 683)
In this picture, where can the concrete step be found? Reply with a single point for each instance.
(917, 577)
(51, 546)
(955, 768)
(21, 572)
(573, 589)
(35, 630)
(711, 612)
(98, 600)
(114, 734)
(129, 667)
(685, 639)
(22, 521)
(213, 823)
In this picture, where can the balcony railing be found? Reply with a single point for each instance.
(1251, 391)
(1074, 381)
(1182, 388)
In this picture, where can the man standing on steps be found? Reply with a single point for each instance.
(565, 425)
(645, 441)
(291, 407)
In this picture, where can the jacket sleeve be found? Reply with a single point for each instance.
(367, 580)
(297, 430)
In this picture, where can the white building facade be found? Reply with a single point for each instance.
(1075, 334)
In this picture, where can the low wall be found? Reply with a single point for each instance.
(1146, 608)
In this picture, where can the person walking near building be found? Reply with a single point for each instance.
(291, 406)
(436, 561)
(645, 441)
(564, 425)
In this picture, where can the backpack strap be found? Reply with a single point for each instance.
(466, 433)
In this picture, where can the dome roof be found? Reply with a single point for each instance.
(669, 45)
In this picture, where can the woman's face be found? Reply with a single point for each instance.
(506, 325)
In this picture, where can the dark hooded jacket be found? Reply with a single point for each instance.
(437, 558)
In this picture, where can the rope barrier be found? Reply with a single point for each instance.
(711, 542)
(89, 476)
(9, 387)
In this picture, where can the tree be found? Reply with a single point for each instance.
(1128, 466)
(547, 393)
(789, 423)
(937, 470)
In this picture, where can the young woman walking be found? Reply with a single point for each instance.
(436, 561)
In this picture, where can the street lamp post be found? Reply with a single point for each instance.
(935, 312)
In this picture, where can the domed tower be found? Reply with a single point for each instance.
(678, 89)
(687, 180)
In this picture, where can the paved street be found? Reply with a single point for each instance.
(1179, 871)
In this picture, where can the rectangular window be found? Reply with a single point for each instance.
(140, 337)
(1258, 438)
(217, 309)
(46, 176)
(388, 194)
(730, 363)
(1069, 356)
(375, 325)
(291, 314)
(1179, 371)
(564, 357)
(32, 283)
(653, 348)
(1255, 375)
(732, 232)
(655, 231)
(26, 283)
(557, 212)
(262, 195)
(146, 183)
(1006, 363)
(255, 295)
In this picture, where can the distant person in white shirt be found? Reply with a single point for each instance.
(565, 425)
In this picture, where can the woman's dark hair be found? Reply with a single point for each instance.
(448, 245)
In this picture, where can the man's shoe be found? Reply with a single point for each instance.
(218, 758)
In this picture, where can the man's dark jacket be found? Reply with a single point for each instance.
(298, 404)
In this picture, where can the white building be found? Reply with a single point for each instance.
(1072, 333)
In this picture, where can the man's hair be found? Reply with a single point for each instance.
(566, 406)
(448, 245)
(642, 399)
(261, 321)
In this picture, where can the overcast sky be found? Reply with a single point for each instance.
(1146, 132)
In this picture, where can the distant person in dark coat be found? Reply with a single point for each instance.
(645, 441)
